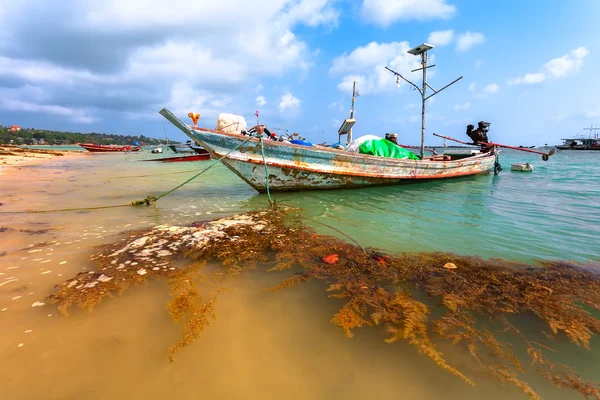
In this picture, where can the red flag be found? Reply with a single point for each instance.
(256, 113)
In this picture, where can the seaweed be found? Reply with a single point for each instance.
(427, 299)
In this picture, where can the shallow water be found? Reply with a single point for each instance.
(262, 345)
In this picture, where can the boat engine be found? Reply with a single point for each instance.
(479, 134)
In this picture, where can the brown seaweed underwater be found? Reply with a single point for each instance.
(420, 297)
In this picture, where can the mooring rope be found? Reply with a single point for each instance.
(163, 173)
(497, 166)
(149, 200)
(262, 147)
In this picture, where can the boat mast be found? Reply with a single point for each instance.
(422, 50)
(591, 128)
(354, 95)
(166, 136)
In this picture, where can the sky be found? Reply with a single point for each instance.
(531, 68)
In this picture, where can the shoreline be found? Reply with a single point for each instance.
(11, 155)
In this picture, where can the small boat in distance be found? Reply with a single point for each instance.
(98, 148)
(180, 148)
(193, 157)
(580, 142)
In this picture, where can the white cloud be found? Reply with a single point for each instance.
(411, 105)
(260, 101)
(289, 102)
(468, 40)
(259, 88)
(566, 65)
(528, 79)
(73, 114)
(30, 98)
(472, 86)
(385, 12)
(478, 63)
(146, 49)
(336, 105)
(557, 68)
(459, 107)
(336, 123)
(440, 38)
(366, 65)
(491, 88)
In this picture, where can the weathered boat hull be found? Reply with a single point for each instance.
(190, 158)
(293, 167)
(94, 148)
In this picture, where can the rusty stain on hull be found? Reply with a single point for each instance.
(294, 167)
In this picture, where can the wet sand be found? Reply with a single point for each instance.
(13, 155)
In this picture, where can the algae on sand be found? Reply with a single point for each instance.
(470, 300)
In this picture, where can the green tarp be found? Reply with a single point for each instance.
(385, 148)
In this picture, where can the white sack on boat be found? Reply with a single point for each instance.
(355, 144)
(231, 123)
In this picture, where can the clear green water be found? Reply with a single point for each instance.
(262, 345)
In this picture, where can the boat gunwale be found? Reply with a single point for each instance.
(366, 157)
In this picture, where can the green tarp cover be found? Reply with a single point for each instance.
(385, 148)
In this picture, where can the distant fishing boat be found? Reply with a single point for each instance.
(180, 148)
(580, 142)
(193, 157)
(97, 148)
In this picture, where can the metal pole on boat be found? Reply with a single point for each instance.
(424, 67)
(166, 136)
(349, 138)
(422, 50)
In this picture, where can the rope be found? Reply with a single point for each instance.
(149, 200)
(337, 230)
(262, 147)
(497, 166)
(164, 173)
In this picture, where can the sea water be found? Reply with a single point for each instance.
(262, 345)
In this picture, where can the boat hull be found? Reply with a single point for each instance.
(294, 167)
(190, 158)
(108, 149)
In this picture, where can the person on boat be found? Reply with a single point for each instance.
(392, 137)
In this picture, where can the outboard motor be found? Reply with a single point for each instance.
(479, 134)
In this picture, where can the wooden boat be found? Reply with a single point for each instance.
(526, 167)
(295, 167)
(198, 149)
(193, 157)
(180, 148)
(97, 148)
(580, 142)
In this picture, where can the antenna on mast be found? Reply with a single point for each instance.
(166, 136)
(591, 128)
(422, 50)
(346, 128)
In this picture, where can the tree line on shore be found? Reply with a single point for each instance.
(29, 136)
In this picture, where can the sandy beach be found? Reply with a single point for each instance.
(12, 155)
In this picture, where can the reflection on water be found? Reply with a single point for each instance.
(262, 345)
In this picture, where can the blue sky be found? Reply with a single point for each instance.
(530, 68)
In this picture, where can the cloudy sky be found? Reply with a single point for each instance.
(530, 68)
